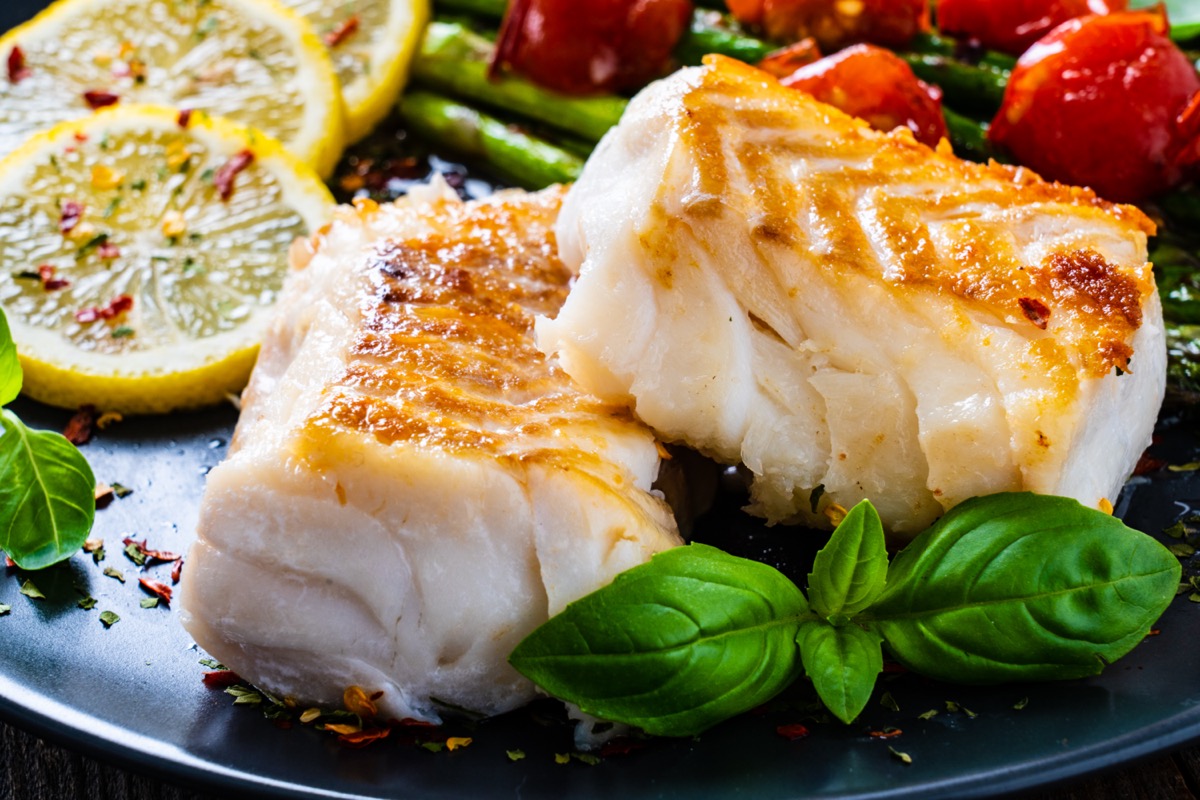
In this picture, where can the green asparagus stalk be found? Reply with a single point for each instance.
(515, 156)
(965, 87)
(713, 32)
(454, 60)
(935, 44)
(969, 138)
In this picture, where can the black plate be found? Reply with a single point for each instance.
(133, 695)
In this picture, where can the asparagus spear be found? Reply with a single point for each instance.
(965, 87)
(454, 60)
(518, 157)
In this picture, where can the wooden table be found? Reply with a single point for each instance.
(31, 769)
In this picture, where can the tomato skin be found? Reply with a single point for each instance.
(1101, 101)
(1011, 26)
(878, 86)
(836, 23)
(591, 46)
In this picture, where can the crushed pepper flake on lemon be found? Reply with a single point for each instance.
(147, 290)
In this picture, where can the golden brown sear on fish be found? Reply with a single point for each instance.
(413, 487)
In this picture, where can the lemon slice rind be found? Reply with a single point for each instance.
(318, 139)
(195, 372)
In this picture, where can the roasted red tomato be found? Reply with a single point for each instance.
(1106, 102)
(836, 23)
(589, 46)
(1013, 25)
(876, 85)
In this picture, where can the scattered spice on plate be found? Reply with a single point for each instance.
(887, 701)
(1020, 704)
(31, 591)
(149, 602)
(562, 758)
(79, 427)
(221, 679)
(115, 574)
(160, 590)
(177, 571)
(886, 733)
(342, 31)
(903, 758)
(792, 732)
(109, 618)
(515, 755)
(87, 603)
(930, 714)
(4, 609)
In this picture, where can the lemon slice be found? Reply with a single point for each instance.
(372, 43)
(255, 61)
(140, 251)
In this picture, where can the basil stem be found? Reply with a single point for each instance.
(10, 367)
(1022, 587)
(673, 646)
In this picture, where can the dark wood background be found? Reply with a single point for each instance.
(31, 769)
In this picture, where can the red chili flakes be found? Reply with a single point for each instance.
(9, 563)
(70, 213)
(1153, 632)
(223, 179)
(119, 305)
(154, 555)
(621, 746)
(1147, 464)
(177, 570)
(49, 282)
(1035, 311)
(79, 427)
(103, 495)
(886, 733)
(98, 99)
(108, 251)
(357, 702)
(17, 71)
(364, 737)
(185, 118)
(221, 679)
(156, 588)
(342, 31)
(792, 732)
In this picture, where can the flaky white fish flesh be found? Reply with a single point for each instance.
(413, 487)
(851, 314)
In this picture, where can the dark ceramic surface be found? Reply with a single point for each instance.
(132, 694)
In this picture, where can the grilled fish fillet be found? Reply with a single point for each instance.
(851, 314)
(412, 486)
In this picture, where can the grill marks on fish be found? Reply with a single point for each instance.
(904, 194)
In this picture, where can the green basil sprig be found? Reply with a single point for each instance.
(1005, 587)
(47, 503)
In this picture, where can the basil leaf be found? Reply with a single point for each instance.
(843, 663)
(850, 571)
(10, 367)
(1183, 14)
(46, 502)
(1022, 586)
(673, 646)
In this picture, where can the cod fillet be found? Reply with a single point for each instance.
(851, 314)
(412, 486)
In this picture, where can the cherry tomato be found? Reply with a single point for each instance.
(876, 85)
(590, 46)
(1104, 101)
(836, 23)
(1013, 25)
